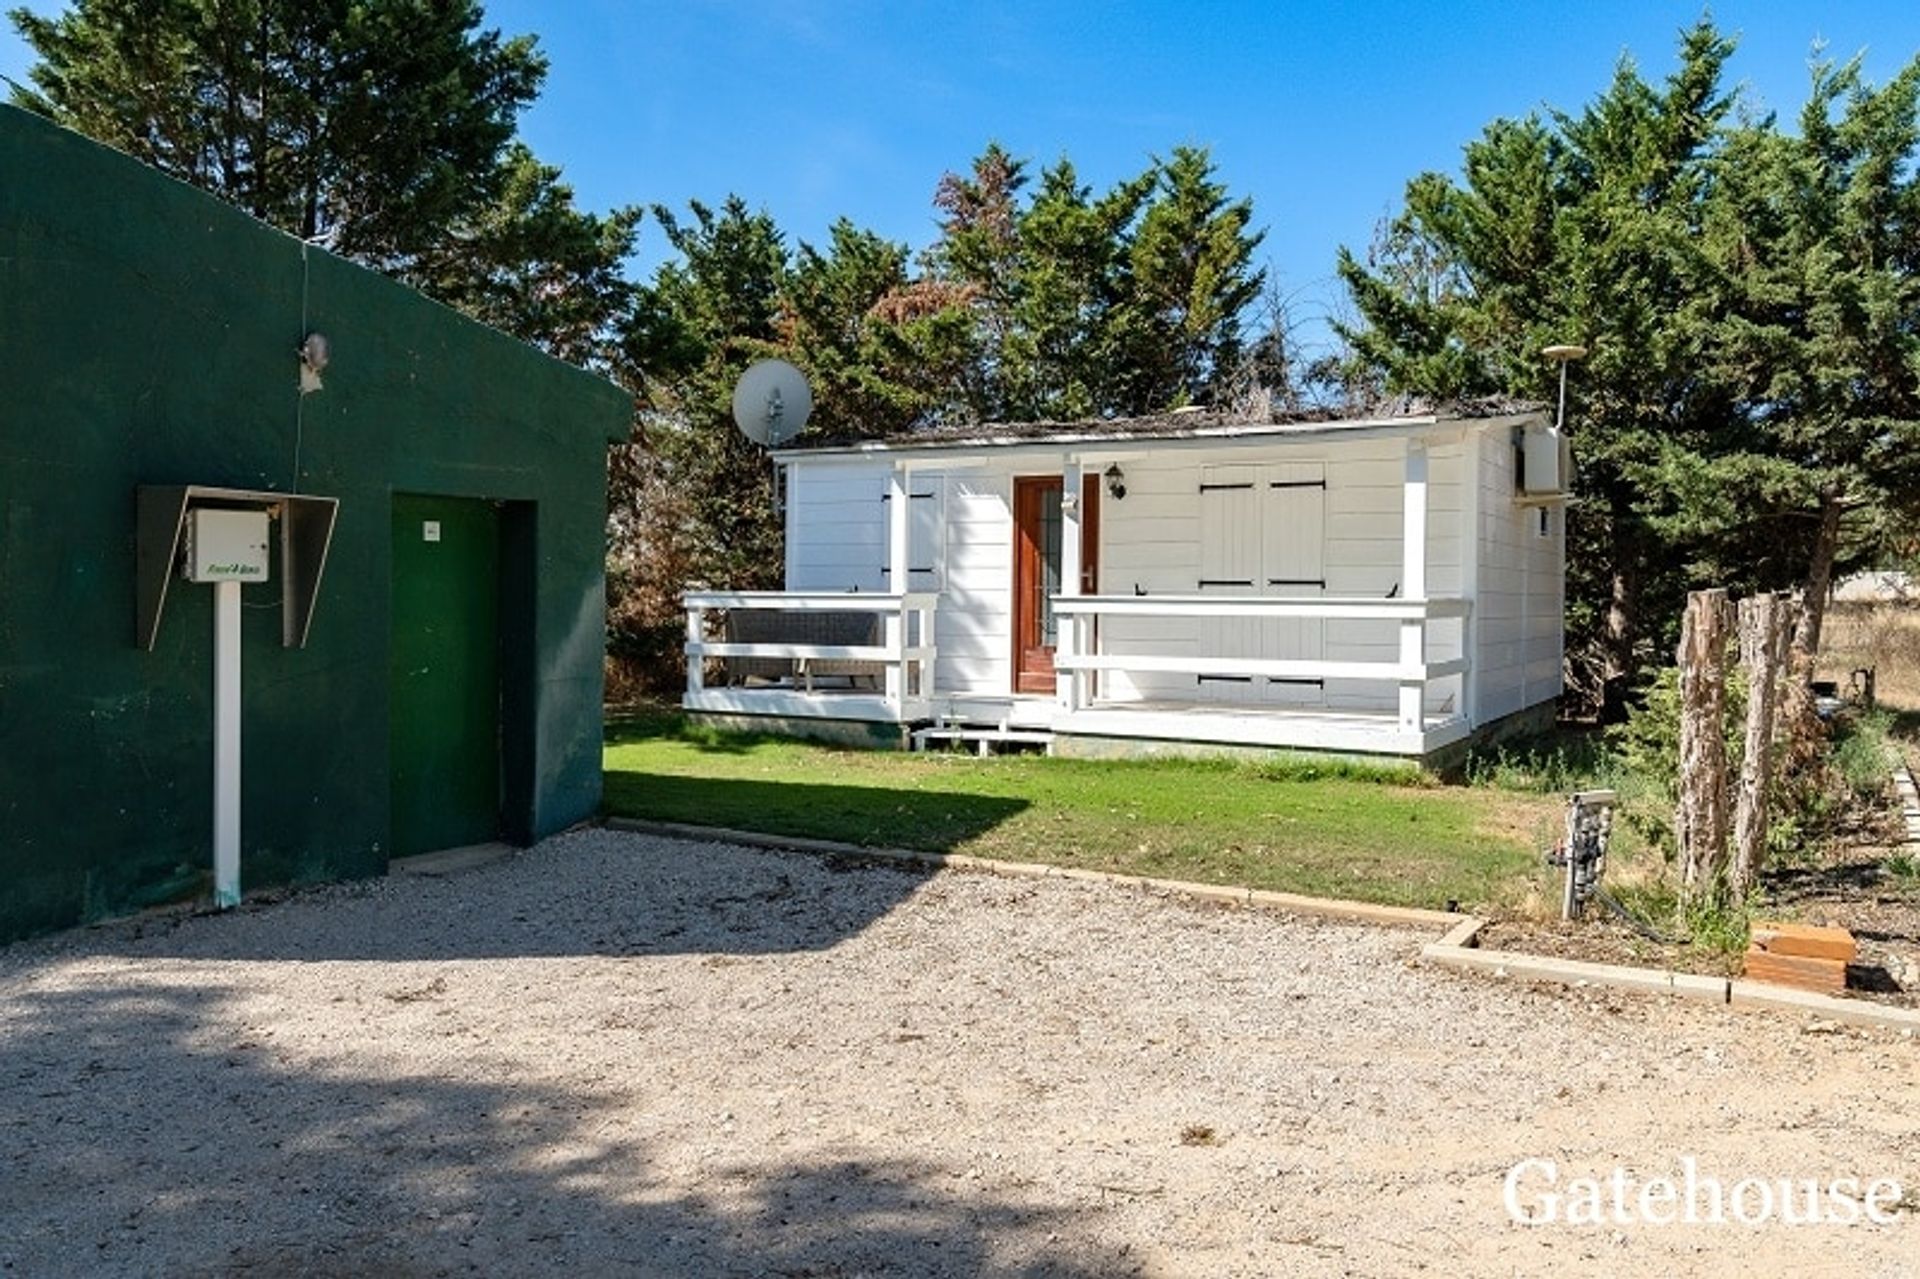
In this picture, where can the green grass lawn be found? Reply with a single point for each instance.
(1298, 827)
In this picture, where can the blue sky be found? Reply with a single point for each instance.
(1318, 111)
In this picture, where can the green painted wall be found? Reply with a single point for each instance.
(147, 336)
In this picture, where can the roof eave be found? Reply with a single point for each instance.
(1345, 428)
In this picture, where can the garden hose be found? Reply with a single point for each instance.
(1634, 922)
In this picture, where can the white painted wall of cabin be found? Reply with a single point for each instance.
(962, 547)
(1149, 541)
(1522, 605)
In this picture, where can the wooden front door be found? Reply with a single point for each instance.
(1037, 528)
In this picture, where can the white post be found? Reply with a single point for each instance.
(1067, 627)
(1527, 516)
(899, 542)
(226, 744)
(1071, 517)
(1413, 692)
(1413, 583)
(929, 654)
(1413, 523)
(1472, 459)
(696, 637)
(895, 626)
(899, 530)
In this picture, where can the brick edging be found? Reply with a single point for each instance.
(1731, 991)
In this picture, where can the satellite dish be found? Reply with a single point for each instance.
(771, 403)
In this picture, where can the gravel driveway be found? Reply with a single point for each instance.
(622, 1054)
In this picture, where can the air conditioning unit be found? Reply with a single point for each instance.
(1545, 460)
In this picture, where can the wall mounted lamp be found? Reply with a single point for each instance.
(1116, 482)
(315, 353)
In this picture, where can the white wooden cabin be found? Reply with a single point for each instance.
(1388, 586)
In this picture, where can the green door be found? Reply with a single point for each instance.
(445, 728)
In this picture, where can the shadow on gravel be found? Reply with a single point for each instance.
(148, 1133)
(931, 821)
(591, 892)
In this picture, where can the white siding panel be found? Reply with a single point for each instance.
(1521, 593)
(1131, 530)
(1127, 556)
(981, 676)
(975, 623)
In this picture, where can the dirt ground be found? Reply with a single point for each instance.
(1846, 881)
(1848, 886)
(1882, 637)
(619, 1054)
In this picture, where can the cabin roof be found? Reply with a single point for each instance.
(1406, 418)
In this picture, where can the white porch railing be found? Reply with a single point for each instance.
(1078, 658)
(904, 656)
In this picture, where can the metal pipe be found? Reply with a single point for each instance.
(1560, 354)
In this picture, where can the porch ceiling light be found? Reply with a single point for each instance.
(1116, 482)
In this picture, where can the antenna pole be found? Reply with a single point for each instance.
(1560, 354)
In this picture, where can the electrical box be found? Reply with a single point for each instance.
(1546, 462)
(226, 545)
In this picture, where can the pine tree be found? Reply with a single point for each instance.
(1192, 279)
(381, 129)
(977, 260)
(1076, 305)
(1584, 228)
(839, 325)
(367, 125)
(1064, 356)
(1819, 236)
(533, 264)
(704, 319)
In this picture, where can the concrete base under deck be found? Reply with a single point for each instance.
(1184, 725)
(1091, 746)
(1138, 730)
(862, 734)
(1445, 756)
(1531, 722)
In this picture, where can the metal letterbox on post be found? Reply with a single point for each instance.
(224, 537)
(227, 546)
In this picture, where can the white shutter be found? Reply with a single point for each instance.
(926, 533)
(1230, 552)
(1293, 520)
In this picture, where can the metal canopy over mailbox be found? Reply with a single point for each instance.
(306, 531)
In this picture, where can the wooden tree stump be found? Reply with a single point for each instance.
(1766, 627)
(1702, 817)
